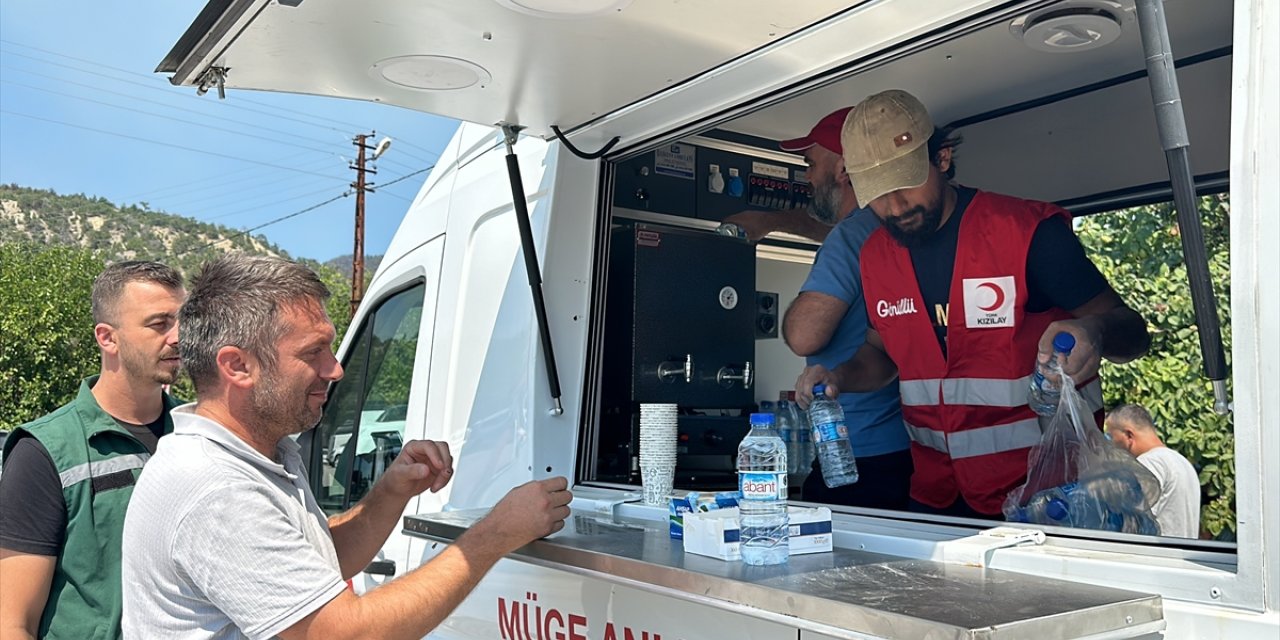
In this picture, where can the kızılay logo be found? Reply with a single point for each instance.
(989, 303)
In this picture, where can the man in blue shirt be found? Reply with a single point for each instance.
(828, 321)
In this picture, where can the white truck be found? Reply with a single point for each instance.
(1055, 100)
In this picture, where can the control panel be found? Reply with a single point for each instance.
(709, 183)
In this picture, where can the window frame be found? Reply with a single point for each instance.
(366, 320)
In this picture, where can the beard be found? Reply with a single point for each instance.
(143, 366)
(280, 408)
(825, 205)
(930, 220)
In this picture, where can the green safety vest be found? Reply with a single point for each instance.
(98, 462)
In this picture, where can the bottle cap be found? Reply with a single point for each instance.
(1064, 342)
(819, 389)
(1056, 509)
(762, 419)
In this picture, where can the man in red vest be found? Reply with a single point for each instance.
(965, 290)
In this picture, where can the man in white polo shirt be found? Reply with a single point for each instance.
(1131, 428)
(223, 538)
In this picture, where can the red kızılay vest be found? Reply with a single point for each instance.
(967, 413)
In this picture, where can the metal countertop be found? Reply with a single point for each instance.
(865, 593)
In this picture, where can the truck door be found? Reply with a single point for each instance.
(380, 402)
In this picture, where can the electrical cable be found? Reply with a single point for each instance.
(163, 144)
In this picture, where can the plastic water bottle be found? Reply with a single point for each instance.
(805, 446)
(831, 439)
(787, 431)
(1046, 381)
(762, 481)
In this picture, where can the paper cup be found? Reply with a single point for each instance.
(657, 482)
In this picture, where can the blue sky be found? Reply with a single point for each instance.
(82, 112)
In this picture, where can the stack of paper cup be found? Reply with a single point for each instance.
(657, 451)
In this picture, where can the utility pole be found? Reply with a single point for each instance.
(357, 253)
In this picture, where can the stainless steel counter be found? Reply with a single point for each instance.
(859, 592)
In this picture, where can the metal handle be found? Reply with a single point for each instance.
(726, 376)
(669, 370)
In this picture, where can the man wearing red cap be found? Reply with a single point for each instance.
(828, 321)
(965, 290)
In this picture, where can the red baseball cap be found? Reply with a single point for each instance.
(825, 134)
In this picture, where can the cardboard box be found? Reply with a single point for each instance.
(715, 533)
(694, 501)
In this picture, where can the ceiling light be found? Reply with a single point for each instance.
(564, 8)
(431, 73)
(1072, 26)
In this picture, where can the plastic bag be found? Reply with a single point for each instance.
(1075, 478)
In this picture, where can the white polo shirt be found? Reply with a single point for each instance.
(1178, 508)
(221, 541)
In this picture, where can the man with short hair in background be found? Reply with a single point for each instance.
(1131, 428)
(224, 538)
(69, 475)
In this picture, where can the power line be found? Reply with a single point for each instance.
(297, 213)
(239, 197)
(265, 224)
(167, 93)
(309, 194)
(220, 177)
(403, 177)
(163, 144)
(165, 117)
(95, 63)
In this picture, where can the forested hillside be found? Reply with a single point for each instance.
(51, 248)
(118, 232)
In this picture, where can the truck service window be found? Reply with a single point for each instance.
(693, 311)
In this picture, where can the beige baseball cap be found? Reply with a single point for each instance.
(885, 140)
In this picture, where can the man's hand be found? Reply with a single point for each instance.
(757, 224)
(1083, 361)
(816, 374)
(530, 511)
(421, 465)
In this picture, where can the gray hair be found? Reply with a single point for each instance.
(1133, 415)
(109, 286)
(235, 301)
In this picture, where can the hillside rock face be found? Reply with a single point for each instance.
(118, 233)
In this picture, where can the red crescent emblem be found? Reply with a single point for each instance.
(999, 296)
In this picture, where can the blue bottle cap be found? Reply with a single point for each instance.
(819, 389)
(762, 419)
(1064, 342)
(1056, 509)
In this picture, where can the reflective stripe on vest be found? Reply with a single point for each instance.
(985, 392)
(88, 470)
(978, 442)
(919, 393)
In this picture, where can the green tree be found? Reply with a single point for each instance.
(1139, 250)
(46, 328)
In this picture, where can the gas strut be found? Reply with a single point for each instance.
(1172, 127)
(510, 133)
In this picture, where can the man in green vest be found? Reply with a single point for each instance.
(68, 476)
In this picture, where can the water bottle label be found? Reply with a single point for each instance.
(830, 431)
(762, 486)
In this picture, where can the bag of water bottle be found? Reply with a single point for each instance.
(1075, 478)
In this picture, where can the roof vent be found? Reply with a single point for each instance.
(430, 73)
(1072, 26)
(564, 8)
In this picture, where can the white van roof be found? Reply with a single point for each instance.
(653, 70)
(531, 62)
